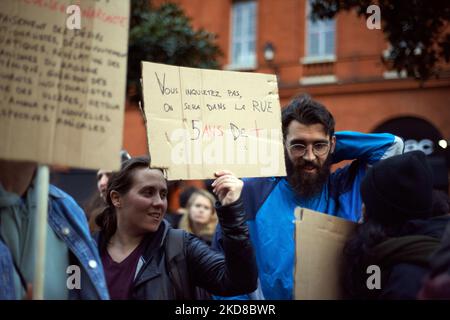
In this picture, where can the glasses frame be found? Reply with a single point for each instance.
(317, 154)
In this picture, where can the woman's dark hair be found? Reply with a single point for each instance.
(121, 182)
(307, 111)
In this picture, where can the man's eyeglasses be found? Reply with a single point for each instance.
(319, 149)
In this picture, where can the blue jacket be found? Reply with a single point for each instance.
(270, 204)
(68, 221)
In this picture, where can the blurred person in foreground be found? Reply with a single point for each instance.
(399, 232)
(68, 240)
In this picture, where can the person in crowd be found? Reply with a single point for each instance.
(93, 208)
(102, 182)
(311, 146)
(201, 217)
(103, 175)
(97, 202)
(174, 217)
(398, 234)
(144, 258)
(68, 240)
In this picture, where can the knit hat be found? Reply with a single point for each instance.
(398, 188)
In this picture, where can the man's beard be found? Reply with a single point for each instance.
(307, 184)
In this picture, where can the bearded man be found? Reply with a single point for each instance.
(311, 147)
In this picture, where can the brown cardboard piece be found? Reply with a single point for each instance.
(319, 242)
(62, 91)
(200, 121)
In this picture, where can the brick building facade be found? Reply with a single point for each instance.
(337, 62)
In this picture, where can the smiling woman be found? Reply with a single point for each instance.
(144, 258)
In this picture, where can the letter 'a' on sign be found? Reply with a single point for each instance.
(374, 20)
(62, 90)
(374, 279)
(200, 121)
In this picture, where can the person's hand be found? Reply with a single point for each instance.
(227, 187)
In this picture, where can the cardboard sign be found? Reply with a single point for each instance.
(319, 243)
(201, 121)
(62, 81)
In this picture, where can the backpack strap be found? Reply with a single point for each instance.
(176, 263)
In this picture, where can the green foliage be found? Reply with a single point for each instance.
(416, 30)
(165, 35)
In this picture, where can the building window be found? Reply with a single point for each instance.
(320, 37)
(243, 41)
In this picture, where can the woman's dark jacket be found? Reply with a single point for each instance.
(166, 273)
(404, 260)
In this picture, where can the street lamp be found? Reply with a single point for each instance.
(269, 52)
(269, 56)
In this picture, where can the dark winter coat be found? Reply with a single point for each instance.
(175, 263)
(404, 261)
